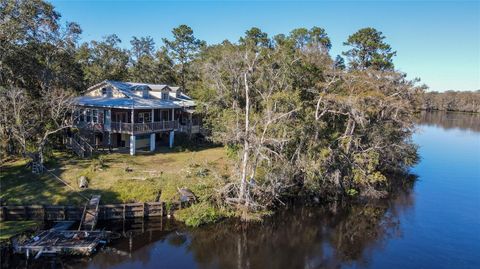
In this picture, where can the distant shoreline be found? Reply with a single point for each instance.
(448, 111)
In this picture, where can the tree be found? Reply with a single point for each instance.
(103, 60)
(36, 52)
(142, 47)
(153, 69)
(300, 125)
(32, 121)
(251, 107)
(254, 37)
(182, 49)
(37, 58)
(369, 50)
(339, 63)
(316, 36)
(149, 66)
(467, 101)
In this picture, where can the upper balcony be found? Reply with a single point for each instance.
(131, 128)
(142, 128)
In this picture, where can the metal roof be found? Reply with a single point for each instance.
(133, 100)
(128, 103)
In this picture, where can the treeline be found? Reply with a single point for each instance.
(464, 101)
(297, 121)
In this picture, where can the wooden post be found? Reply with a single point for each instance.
(123, 211)
(161, 209)
(143, 215)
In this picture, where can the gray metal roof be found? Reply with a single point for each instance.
(128, 103)
(133, 100)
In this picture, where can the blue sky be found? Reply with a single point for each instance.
(437, 41)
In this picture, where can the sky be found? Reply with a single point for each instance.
(436, 41)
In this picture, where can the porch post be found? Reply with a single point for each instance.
(152, 142)
(173, 114)
(132, 145)
(172, 135)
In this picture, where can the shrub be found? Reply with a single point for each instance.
(199, 214)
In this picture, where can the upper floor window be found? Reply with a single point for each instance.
(95, 116)
(144, 117)
(88, 115)
(106, 92)
(145, 93)
(81, 116)
(165, 95)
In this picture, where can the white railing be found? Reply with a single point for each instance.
(122, 127)
(89, 125)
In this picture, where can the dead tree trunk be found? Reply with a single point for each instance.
(246, 145)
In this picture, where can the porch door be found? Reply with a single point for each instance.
(120, 117)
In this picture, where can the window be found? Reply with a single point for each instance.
(145, 93)
(95, 115)
(88, 115)
(106, 92)
(144, 117)
(165, 95)
(81, 115)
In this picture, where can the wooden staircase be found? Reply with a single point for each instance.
(90, 214)
(78, 144)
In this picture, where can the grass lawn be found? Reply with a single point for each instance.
(151, 175)
(11, 228)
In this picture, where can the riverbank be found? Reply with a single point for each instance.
(117, 177)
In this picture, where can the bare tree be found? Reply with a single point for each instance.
(31, 122)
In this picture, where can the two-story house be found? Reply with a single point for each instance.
(134, 115)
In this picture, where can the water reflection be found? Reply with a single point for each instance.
(449, 120)
(298, 237)
(301, 237)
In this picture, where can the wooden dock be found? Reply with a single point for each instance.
(55, 242)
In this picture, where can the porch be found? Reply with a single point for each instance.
(133, 128)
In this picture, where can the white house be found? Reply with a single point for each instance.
(134, 115)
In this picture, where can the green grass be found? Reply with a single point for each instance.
(201, 213)
(162, 172)
(11, 228)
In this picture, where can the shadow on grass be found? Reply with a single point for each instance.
(19, 186)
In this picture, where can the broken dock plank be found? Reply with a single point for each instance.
(90, 214)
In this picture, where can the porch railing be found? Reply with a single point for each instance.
(90, 126)
(138, 128)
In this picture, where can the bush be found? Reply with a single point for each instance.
(199, 214)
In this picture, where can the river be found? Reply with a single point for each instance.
(434, 222)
